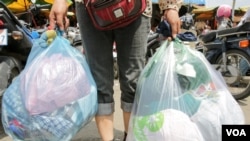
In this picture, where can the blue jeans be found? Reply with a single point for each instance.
(131, 43)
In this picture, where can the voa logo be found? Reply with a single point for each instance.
(236, 132)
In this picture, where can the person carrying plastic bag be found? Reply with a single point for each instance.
(181, 97)
(53, 97)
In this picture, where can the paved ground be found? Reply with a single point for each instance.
(90, 133)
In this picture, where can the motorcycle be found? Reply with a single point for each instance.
(153, 43)
(228, 50)
(74, 37)
(15, 45)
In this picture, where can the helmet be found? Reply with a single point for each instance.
(224, 11)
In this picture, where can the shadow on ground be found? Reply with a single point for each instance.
(90, 133)
(2, 133)
(242, 102)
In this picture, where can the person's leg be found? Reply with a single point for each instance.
(126, 117)
(105, 127)
(131, 43)
(98, 47)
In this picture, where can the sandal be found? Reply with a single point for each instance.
(125, 136)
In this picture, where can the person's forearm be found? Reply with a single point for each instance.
(170, 4)
(69, 2)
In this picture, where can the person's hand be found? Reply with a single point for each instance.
(172, 17)
(58, 15)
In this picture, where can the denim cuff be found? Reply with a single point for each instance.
(105, 109)
(126, 107)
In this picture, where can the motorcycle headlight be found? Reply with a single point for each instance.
(17, 35)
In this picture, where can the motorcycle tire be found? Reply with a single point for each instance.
(151, 49)
(240, 89)
(9, 69)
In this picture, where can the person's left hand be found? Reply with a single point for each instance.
(172, 17)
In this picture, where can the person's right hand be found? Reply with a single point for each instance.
(58, 15)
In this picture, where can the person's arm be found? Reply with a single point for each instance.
(171, 14)
(58, 14)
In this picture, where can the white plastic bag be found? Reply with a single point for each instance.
(179, 78)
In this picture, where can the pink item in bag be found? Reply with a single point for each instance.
(52, 83)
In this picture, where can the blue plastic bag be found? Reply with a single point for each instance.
(53, 97)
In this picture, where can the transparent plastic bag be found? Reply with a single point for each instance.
(178, 85)
(53, 97)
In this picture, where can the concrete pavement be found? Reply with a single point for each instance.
(90, 132)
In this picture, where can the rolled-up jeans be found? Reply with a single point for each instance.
(131, 44)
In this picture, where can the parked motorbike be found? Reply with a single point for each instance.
(153, 43)
(15, 45)
(35, 16)
(228, 50)
(74, 37)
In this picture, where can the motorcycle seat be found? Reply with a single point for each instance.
(213, 34)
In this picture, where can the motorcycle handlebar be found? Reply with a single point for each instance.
(34, 7)
(10, 13)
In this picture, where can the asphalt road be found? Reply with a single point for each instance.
(90, 133)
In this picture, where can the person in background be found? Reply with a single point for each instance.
(131, 43)
(245, 18)
(223, 15)
(206, 29)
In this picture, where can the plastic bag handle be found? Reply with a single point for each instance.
(59, 32)
(157, 56)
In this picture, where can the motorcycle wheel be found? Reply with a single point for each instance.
(151, 49)
(8, 71)
(237, 74)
